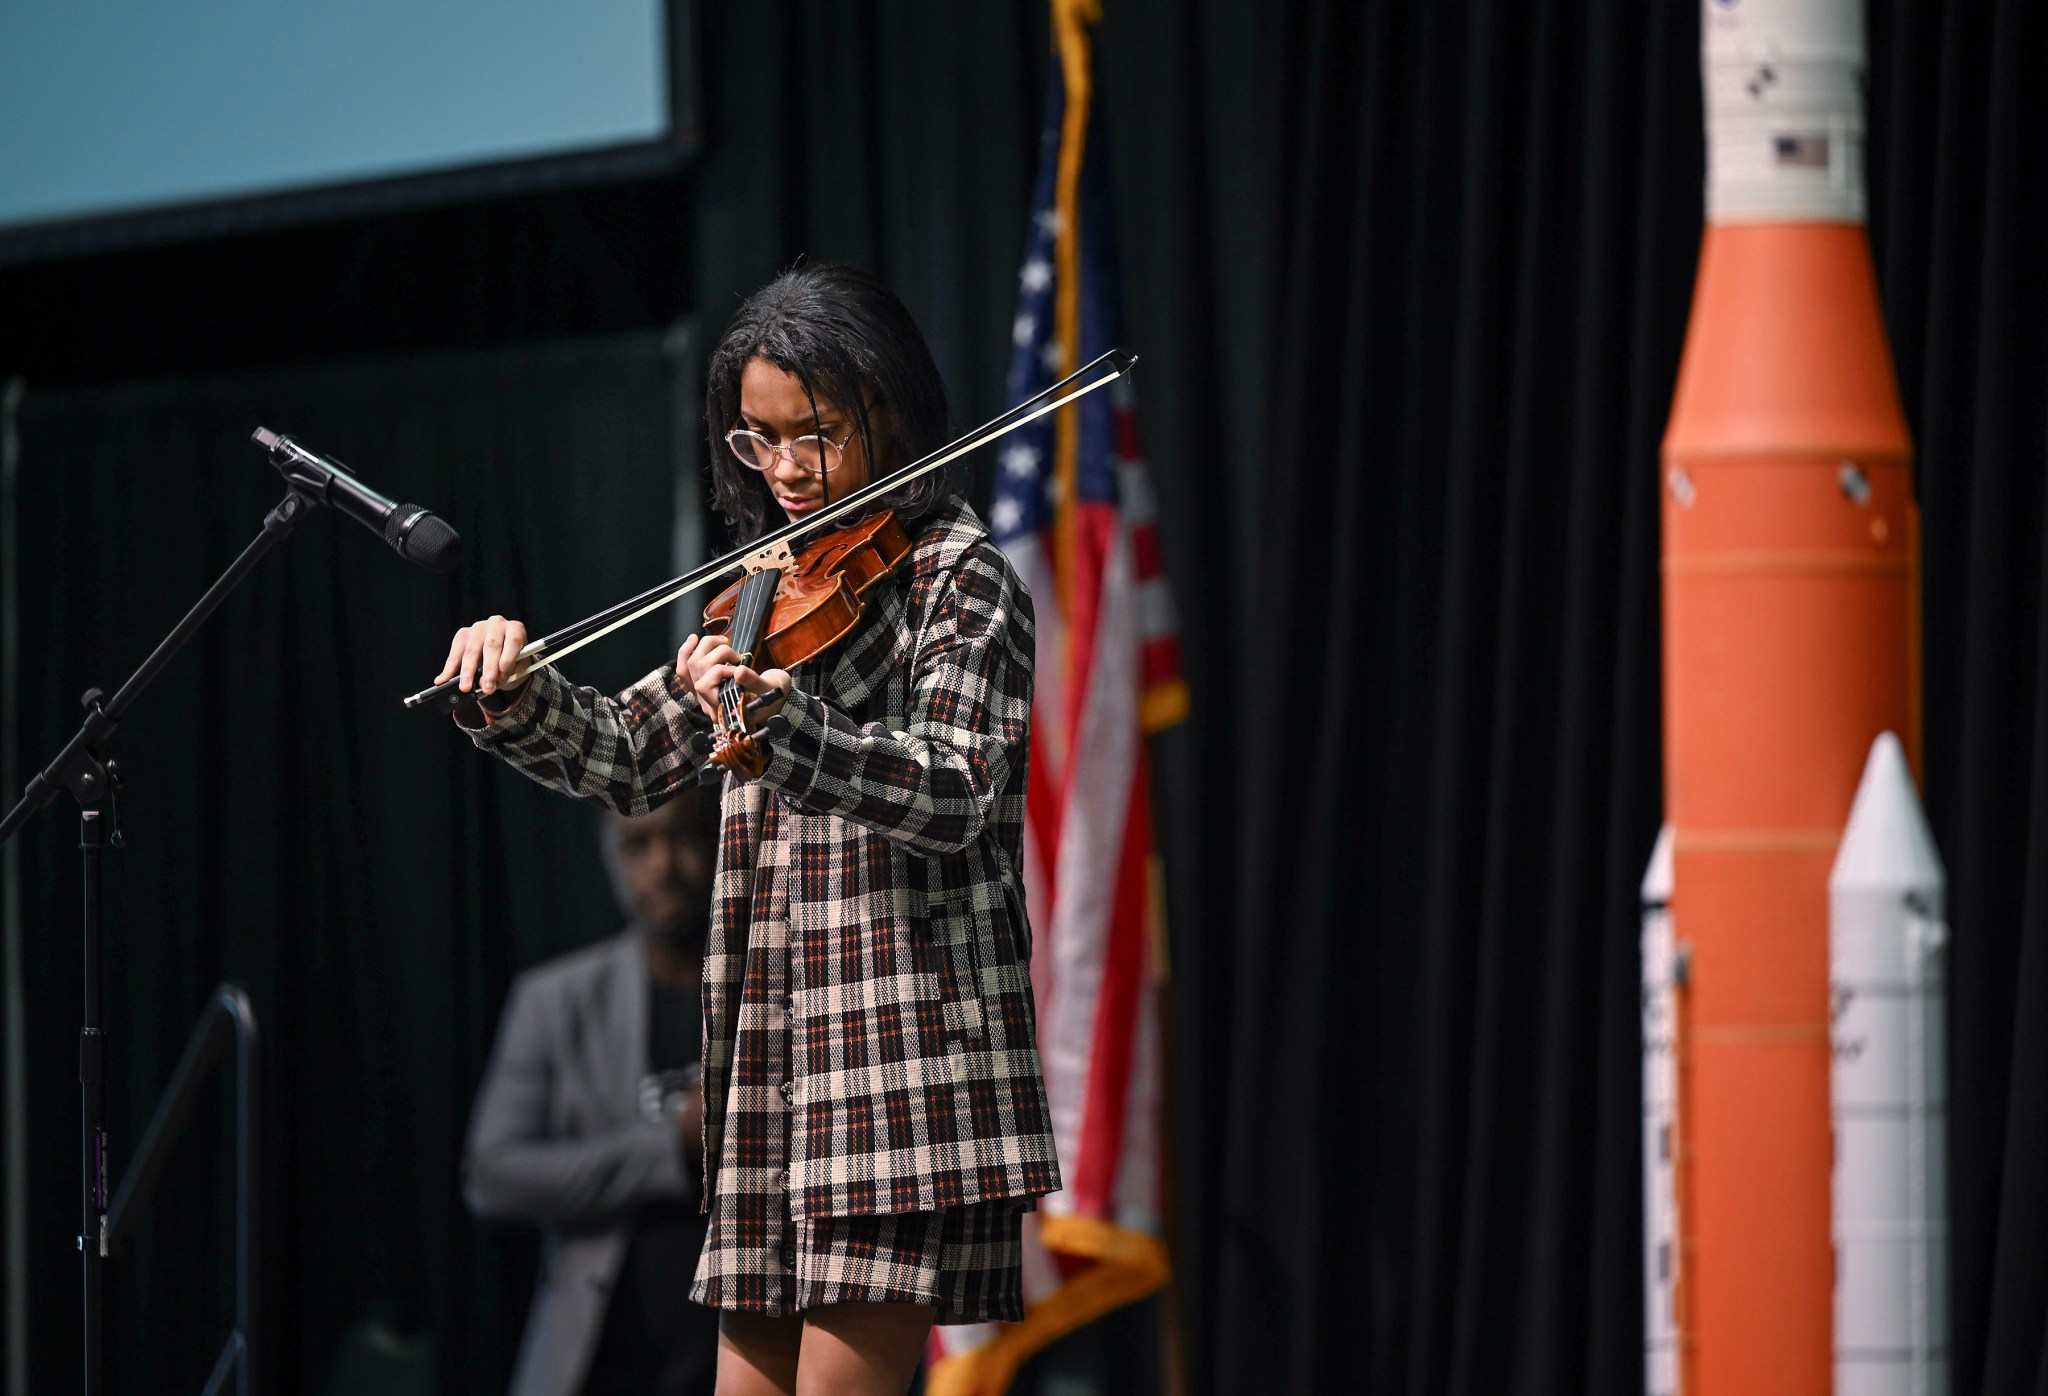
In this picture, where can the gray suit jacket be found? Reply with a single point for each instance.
(557, 1138)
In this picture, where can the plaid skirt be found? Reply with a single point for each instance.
(967, 1262)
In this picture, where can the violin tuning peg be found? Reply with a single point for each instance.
(697, 746)
(777, 727)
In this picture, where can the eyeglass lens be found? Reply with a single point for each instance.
(810, 452)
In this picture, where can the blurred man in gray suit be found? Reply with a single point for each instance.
(590, 1122)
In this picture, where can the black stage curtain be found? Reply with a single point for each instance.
(1422, 1013)
(1417, 1031)
(372, 882)
(1959, 163)
(1410, 281)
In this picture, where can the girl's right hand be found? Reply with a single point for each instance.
(486, 656)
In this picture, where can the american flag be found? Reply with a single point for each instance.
(1074, 509)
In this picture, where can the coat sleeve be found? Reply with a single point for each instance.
(930, 787)
(514, 1168)
(625, 751)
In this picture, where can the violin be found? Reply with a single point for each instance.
(843, 565)
(793, 611)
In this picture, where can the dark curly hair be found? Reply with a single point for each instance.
(847, 338)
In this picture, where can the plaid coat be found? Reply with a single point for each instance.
(901, 783)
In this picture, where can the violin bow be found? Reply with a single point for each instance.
(775, 547)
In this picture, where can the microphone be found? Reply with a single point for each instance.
(413, 533)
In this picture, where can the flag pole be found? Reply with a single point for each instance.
(1071, 20)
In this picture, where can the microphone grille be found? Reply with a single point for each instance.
(422, 538)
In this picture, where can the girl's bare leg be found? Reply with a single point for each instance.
(757, 1355)
(860, 1349)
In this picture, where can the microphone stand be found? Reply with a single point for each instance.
(95, 783)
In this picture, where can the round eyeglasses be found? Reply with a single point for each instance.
(813, 454)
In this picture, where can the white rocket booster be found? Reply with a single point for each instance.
(1660, 1129)
(1887, 944)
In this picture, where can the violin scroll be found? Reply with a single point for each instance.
(736, 746)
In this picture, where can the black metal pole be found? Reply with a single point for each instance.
(94, 784)
(248, 1206)
(92, 1222)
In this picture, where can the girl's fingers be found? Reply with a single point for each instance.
(494, 636)
(707, 699)
(711, 685)
(486, 651)
(472, 652)
(508, 653)
(454, 656)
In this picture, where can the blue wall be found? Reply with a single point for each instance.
(132, 103)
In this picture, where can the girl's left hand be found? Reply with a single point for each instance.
(709, 661)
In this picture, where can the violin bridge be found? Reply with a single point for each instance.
(776, 555)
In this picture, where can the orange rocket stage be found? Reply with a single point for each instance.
(1791, 640)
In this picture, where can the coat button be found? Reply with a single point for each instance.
(788, 1093)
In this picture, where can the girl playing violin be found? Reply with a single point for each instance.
(875, 1118)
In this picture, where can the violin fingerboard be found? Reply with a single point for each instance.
(751, 609)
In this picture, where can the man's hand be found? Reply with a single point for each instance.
(690, 1123)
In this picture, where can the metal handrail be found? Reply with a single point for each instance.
(227, 1019)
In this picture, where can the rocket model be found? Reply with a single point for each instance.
(1791, 572)
(1887, 951)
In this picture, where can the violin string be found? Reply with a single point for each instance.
(542, 655)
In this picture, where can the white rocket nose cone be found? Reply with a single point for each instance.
(1887, 843)
(1657, 877)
